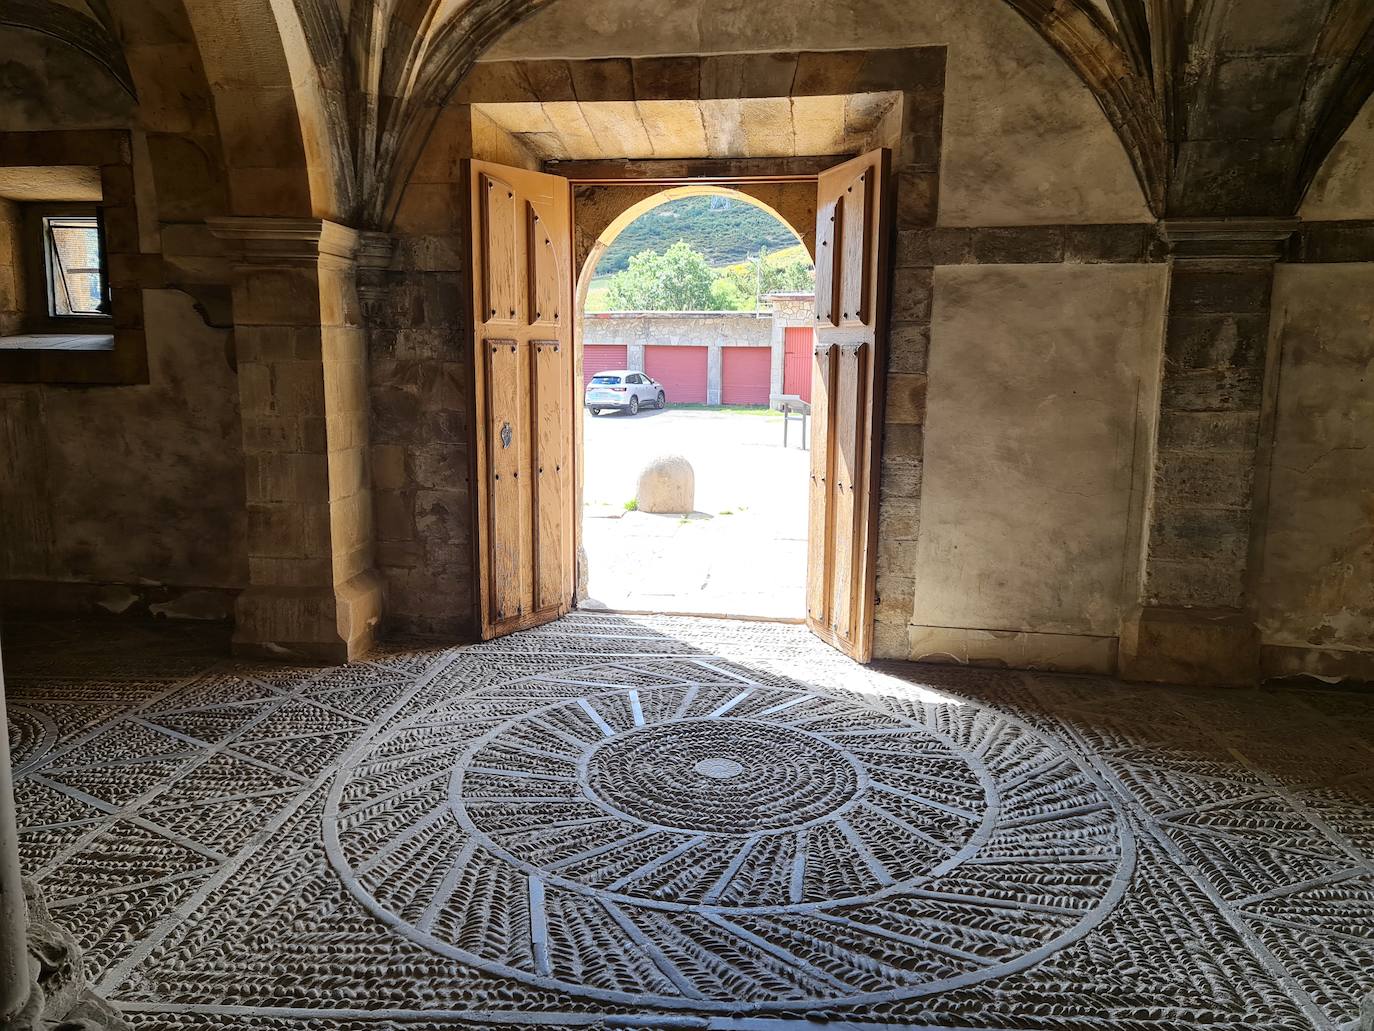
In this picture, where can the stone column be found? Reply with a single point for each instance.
(15, 976)
(302, 361)
(1194, 622)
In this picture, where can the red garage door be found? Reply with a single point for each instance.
(599, 357)
(681, 370)
(796, 363)
(744, 375)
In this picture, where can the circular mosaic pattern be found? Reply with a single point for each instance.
(682, 834)
(723, 776)
(31, 737)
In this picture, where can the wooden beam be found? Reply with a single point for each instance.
(676, 171)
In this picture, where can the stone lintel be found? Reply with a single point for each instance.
(1221, 239)
(1177, 645)
(287, 242)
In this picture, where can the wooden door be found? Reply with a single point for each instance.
(520, 225)
(853, 229)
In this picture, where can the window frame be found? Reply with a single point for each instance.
(131, 270)
(38, 261)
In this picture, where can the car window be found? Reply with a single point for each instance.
(606, 381)
(634, 379)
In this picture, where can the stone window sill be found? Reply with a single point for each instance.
(78, 359)
(58, 342)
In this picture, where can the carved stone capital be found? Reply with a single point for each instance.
(1222, 239)
(287, 242)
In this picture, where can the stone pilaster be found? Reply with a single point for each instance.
(916, 169)
(302, 362)
(1194, 622)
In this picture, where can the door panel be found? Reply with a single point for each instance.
(853, 230)
(819, 553)
(520, 223)
(499, 243)
(503, 451)
(553, 452)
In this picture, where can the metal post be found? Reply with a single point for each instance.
(15, 978)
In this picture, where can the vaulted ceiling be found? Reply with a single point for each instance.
(1225, 107)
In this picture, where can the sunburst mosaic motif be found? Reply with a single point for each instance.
(681, 834)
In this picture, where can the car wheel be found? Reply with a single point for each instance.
(634, 406)
(662, 401)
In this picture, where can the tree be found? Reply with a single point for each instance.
(751, 280)
(677, 280)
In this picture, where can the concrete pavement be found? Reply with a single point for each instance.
(742, 552)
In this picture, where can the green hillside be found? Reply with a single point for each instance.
(726, 231)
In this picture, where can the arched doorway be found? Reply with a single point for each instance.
(717, 356)
(523, 293)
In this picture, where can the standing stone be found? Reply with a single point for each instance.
(667, 484)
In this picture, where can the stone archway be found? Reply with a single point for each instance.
(619, 204)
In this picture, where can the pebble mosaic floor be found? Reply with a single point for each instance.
(682, 823)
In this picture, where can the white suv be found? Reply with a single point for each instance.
(623, 390)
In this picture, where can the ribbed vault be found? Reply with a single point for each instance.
(1224, 107)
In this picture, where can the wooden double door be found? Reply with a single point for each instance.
(526, 397)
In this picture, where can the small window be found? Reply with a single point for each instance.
(75, 267)
(635, 378)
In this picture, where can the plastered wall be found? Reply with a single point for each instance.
(1040, 394)
(1317, 588)
(1344, 186)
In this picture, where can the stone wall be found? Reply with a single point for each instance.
(420, 367)
(12, 279)
(130, 498)
(1024, 142)
(597, 206)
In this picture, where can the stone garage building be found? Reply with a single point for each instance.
(711, 357)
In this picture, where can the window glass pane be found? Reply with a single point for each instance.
(74, 262)
(605, 381)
